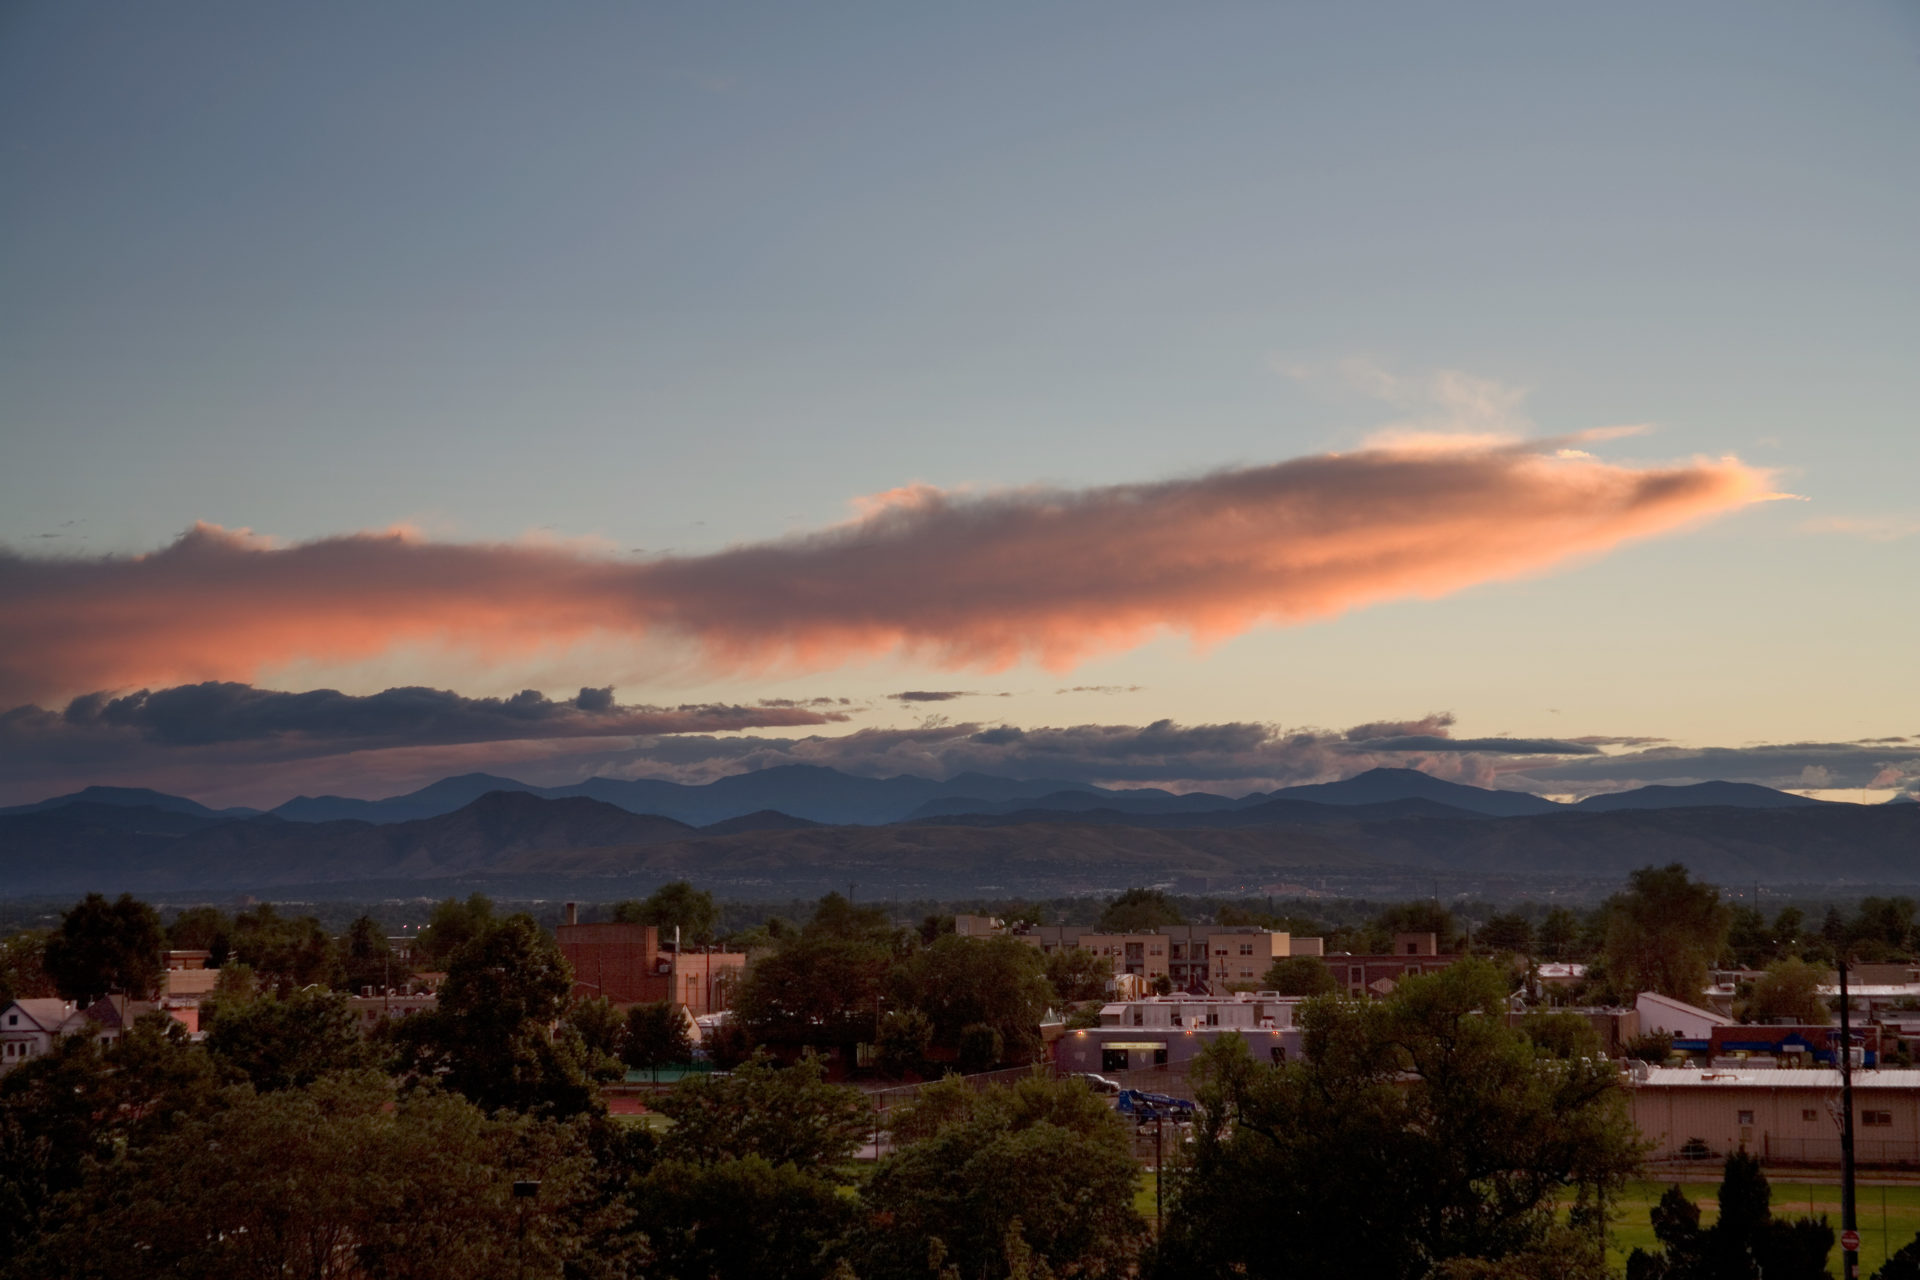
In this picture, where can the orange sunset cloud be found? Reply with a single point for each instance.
(962, 580)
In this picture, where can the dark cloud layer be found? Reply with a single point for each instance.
(219, 725)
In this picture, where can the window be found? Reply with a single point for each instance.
(1808, 1113)
(1413, 948)
(13, 1019)
(1876, 1118)
(1746, 1117)
(1222, 951)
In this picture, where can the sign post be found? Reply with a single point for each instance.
(1849, 1232)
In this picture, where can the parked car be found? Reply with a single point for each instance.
(1096, 1082)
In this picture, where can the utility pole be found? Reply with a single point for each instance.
(1849, 1227)
(1159, 1218)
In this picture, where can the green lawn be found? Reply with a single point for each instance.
(1880, 1230)
(1889, 1216)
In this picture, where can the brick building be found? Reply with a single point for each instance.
(628, 964)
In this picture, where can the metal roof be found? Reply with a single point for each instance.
(1775, 1078)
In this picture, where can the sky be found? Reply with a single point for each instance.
(1213, 398)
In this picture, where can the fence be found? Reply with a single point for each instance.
(1165, 1078)
(1868, 1153)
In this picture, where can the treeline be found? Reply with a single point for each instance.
(1421, 1138)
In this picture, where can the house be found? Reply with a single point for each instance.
(1170, 1031)
(1782, 1116)
(28, 1028)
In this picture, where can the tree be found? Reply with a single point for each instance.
(1904, 1264)
(452, 925)
(1750, 939)
(656, 1036)
(1887, 922)
(287, 1042)
(824, 986)
(1420, 1133)
(202, 929)
(1664, 933)
(743, 1219)
(1078, 974)
(784, 1115)
(491, 1037)
(603, 1034)
(1789, 989)
(81, 1104)
(998, 984)
(1300, 976)
(286, 953)
(1044, 1163)
(367, 959)
(1746, 1240)
(1139, 911)
(906, 1036)
(104, 946)
(1559, 934)
(1508, 931)
(1414, 917)
(340, 1179)
(23, 967)
(678, 903)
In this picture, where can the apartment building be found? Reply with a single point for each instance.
(1191, 957)
(1170, 1031)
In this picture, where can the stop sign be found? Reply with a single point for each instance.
(1850, 1241)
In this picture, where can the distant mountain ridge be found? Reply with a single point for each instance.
(815, 794)
(113, 848)
(811, 792)
(1740, 795)
(131, 798)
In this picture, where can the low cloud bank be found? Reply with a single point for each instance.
(962, 581)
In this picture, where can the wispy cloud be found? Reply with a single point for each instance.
(1872, 528)
(962, 581)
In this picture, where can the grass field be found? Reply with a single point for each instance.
(1889, 1216)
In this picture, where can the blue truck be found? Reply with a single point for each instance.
(1147, 1107)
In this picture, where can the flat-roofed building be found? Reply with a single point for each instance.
(627, 964)
(1170, 1031)
(1781, 1115)
(1190, 956)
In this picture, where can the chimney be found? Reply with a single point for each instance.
(573, 913)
